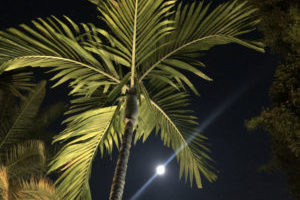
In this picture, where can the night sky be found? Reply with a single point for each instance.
(242, 78)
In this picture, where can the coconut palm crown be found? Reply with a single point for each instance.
(128, 77)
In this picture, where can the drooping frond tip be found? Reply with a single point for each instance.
(25, 159)
(4, 183)
(86, 132)
(41, 189)
(164, 110)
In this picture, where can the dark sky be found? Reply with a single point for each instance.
(242, 78)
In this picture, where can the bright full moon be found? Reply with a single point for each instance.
(160, 170)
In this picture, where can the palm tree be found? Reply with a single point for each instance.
(17, 118)
(22, 165)
(128, 77)
(21, 173)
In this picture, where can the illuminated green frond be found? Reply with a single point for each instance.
(51, 43)
(165, 110)
(136, 27)
(84, 134)
(197, 30)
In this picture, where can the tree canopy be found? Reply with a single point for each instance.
(281, 28)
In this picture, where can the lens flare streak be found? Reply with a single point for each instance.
(139, 192)
(213, 116)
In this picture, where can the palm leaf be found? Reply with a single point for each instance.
(36, 189)
(165, 111)
(136, 27)
(4, 183)
(85, 133)
(196, 30)
(14, 129)
(22, 162)
(16, 83)
(25, 159)
(52, 43)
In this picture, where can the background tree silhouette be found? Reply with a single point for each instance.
(281, 28)
(23, 164)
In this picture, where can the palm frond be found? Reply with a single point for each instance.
(25, 159)
(13, 129)
(197, 30)
(51, 43)
(36, 189)
(16, 83)
(136, 27)
(165, 111)
(4, 183)
(85, 133)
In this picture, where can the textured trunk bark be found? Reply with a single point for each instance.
(131, 114)
(118, 183)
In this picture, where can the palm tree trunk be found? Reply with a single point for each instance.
(131, 113)
(118, 183)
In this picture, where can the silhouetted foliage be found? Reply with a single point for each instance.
(280, 25)
(281, 28)
(22, 174)
(22, 117)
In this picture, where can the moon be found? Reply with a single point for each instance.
(160, 170)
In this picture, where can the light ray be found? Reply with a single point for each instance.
(208, 121)
(140, 191)
(213, 116)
